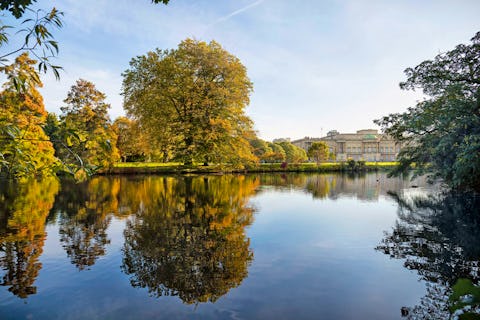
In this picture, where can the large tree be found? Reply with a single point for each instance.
(89, 138)
(193, 98)
(441, 134)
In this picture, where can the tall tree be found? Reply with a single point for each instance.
(319, 151)
(25, 149)
(88, 132)
(194, 98)
(441, 135)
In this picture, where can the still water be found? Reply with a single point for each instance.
(283, 246)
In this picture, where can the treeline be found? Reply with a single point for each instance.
(35, 143)
(185, 105)
(138, 145)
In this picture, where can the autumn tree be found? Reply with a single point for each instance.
(319, 151)
(293, 153)
(88, 133)
(136, 143)
(261, 149)
(194, 98)
(25, 149)
(441, 135)
(130, 141)
(276, 155)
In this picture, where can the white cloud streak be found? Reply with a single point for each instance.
(236, 12)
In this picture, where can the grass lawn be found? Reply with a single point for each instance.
(146, 164)
(178, 168)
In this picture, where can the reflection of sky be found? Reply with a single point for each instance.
(312, 260)
(321, 255)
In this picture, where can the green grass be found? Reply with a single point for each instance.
(382, 164)
(146, 164)
(178, 168)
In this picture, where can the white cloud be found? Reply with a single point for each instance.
(236, 12)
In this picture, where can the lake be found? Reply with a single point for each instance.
(269, 246)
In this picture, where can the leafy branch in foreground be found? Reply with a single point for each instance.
(35, 37)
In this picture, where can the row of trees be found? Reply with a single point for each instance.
(184, 105)
(138, 144)
(35, 143)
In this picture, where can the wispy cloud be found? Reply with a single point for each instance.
(236, 12)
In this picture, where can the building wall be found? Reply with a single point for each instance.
(368, 145)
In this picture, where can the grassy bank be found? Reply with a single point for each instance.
(177, 168)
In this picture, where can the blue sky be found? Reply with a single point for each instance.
(316, 65)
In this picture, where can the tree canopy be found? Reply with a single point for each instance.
(193, 100)
(441, 135)
(319, 151)
(293, 153)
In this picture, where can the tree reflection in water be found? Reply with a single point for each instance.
(85, 211)
(189, 239)
(24, 209)
(365, 187)
(439, 237)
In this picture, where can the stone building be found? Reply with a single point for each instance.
(368, 145)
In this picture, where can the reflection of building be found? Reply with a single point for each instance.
(367, 187)
(366, 145)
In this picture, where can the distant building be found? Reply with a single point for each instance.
(368, 145)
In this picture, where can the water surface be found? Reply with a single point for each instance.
(273, 246)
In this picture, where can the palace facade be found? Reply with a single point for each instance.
(368, 145)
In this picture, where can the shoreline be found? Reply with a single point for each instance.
(161, 168)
